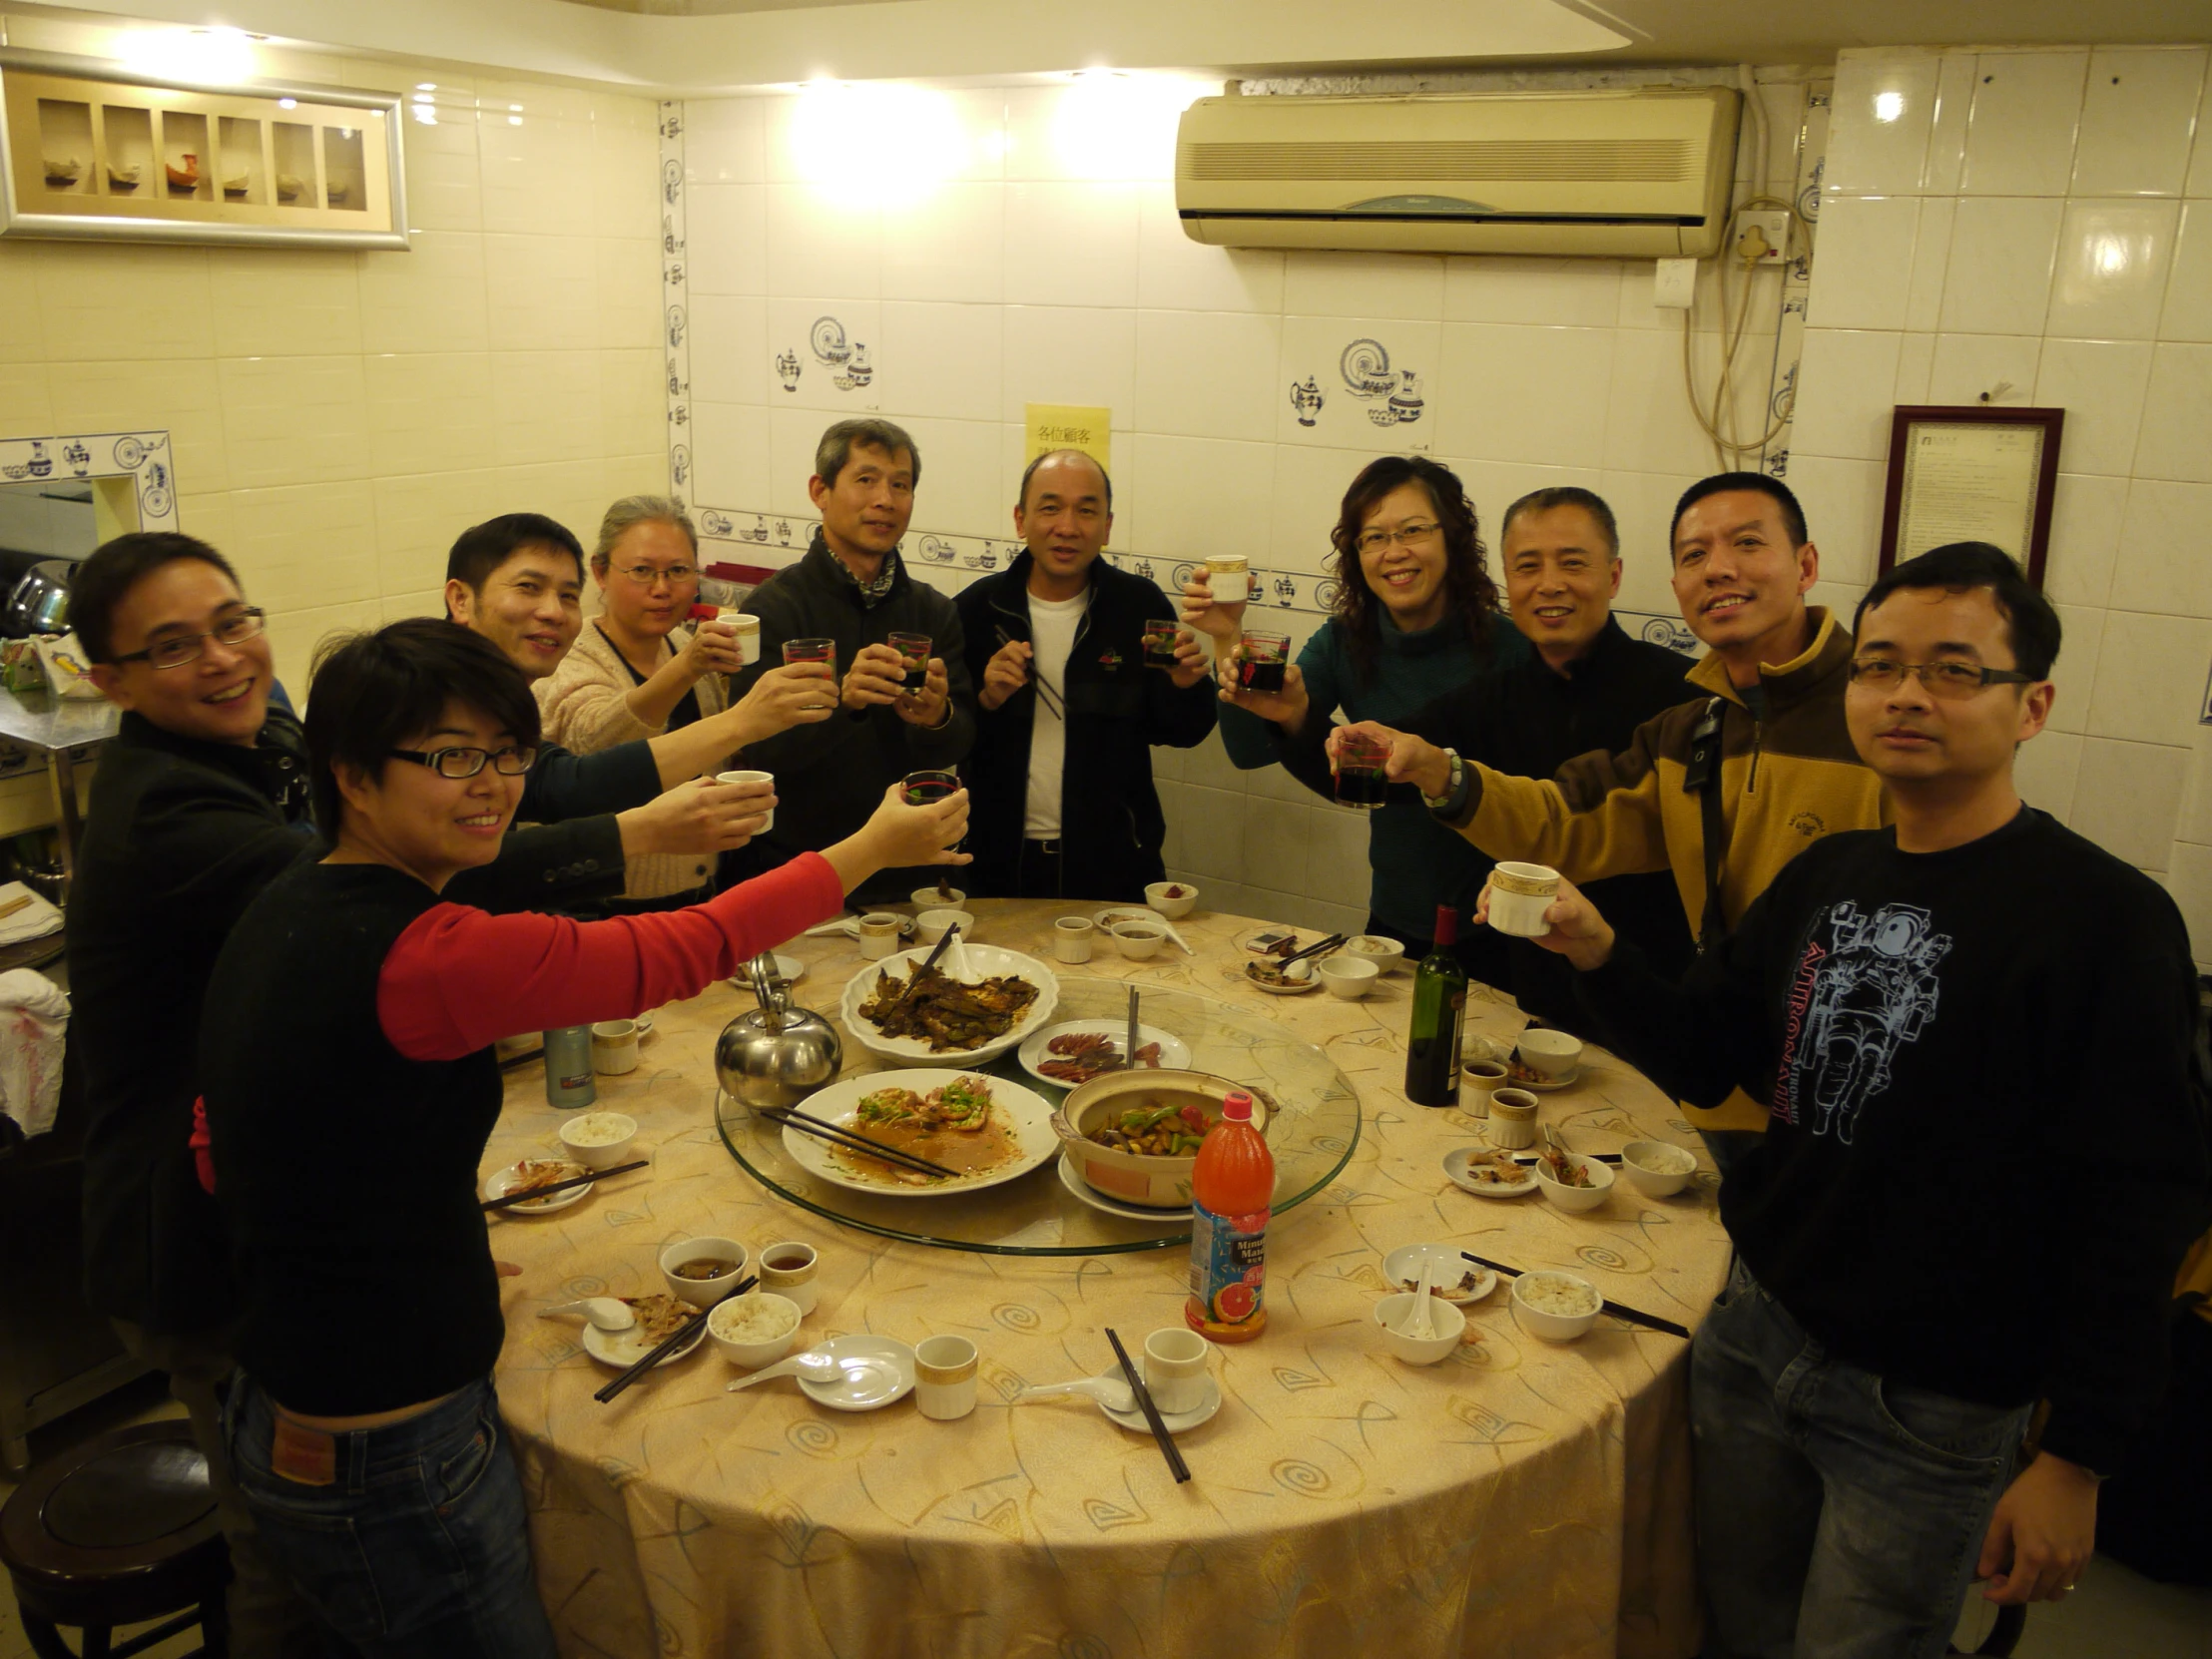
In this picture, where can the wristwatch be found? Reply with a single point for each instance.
(1437, 803)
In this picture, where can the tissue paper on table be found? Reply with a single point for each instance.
(33, 922)
(34, 1023)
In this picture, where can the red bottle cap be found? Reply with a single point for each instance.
(1447, 924)
(1236, 1107)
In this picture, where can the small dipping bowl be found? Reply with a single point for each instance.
(1449, 1322)
(1553, 1053)
(1576, 1198)
(929, 899)
(1349, 977)
(1385, 953)
(598, 1140)
(1657, 1168)
(930, 925)
(751, 1353)
(1155, 896)
(703, 1293)
(1138, 940)
(1551, 1327)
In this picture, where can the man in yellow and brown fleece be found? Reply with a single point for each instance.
(1770, 719)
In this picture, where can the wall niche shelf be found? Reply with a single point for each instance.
(90, 152)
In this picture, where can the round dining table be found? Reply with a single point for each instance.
(1518, 1498)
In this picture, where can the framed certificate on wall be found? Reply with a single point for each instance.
(1971, 473)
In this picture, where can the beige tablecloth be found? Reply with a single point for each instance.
(1518, 1498)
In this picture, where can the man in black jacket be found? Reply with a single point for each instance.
(853, 589)
(200, 801)
(1590, 686)
(1060, 780)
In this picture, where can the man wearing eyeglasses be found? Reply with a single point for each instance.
(1932, 1015)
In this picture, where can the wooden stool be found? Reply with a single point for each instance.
(121, 1530)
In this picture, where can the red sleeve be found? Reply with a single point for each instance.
(459, 979)
(203, 1145)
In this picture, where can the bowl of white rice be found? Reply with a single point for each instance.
(755, 1329)
(1556, 1307)
(1657, 1166)
(598, 1140)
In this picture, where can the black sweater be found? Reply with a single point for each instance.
(830, 775)
(1111, 826)
(180, 836)
(1528, 721)
(1986, 1149)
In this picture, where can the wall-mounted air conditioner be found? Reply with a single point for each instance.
(1635, 174)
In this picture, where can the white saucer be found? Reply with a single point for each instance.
(1456, 1170)
(1547, 1085)
(1175, 1422)
(1297, 988)
(624, 1349)
(1404, 1264)
(1244, 940)
(1175, 1053)
(878, 1371)
(501, 1182)
(1072, 1179)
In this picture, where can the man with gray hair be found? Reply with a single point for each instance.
(852, 591)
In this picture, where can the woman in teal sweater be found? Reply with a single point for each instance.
(1415, 616)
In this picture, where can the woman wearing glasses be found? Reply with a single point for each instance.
(638, 671)
(1415, 616)
(350, 1086)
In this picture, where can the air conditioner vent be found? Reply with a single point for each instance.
(1581, 161)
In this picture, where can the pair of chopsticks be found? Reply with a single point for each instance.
(510, 1200)
(1613, 1308)
(1175, 1466)
(793, 1118)
(1330, 943)
(944, 943)
(1045, 694)
(668, 1344)
(1593, 1157)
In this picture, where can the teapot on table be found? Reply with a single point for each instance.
(775, 1055)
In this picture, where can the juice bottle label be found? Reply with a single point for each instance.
(1229, 1267)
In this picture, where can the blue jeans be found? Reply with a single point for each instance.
(420, 1548)
(1840, 1514)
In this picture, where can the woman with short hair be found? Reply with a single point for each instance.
(1414, 616)
(350, 1087)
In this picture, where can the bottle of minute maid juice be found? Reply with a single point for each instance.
(1232, 1186)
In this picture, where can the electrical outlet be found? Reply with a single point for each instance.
(1770, 227)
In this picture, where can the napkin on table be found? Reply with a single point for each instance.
(34, 1021)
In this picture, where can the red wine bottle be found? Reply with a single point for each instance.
(1439, 1009)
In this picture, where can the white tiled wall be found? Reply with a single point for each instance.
(1046, 264)
(2035, 227)
(336, 417)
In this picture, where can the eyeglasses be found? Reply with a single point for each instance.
(647, 575)
(468, 763)
(1947, 679)
(1374, 541)
(179, 649)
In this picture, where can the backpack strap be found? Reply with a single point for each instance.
(1703, 775)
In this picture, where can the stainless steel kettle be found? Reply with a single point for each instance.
(775, 1055)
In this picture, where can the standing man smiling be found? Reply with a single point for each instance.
(1923, 1255)
(1062, 798)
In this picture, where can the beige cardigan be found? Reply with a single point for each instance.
(582, 705)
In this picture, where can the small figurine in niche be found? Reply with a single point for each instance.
(63, 172)
(186, 176)
(236, 186)
(121, 177)
(290, 186)
(337, 189)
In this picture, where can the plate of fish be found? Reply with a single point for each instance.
(976, 1005)
(1074, 1053)
(990, 1130)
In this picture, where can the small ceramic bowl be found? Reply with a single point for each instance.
(1450, 1324)
(930, 925)
(703, 1293)
(603, 1138)
(1657, 1168)
(1386, 954)
(1155, 896)
(929, 899)
(1553, 1053)
(1139, 941)
(752, 1353)
(1349, 977)
(1551, 1327)
(1576, 1198)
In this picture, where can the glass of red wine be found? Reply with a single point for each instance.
(1260, 662)
(1159, 643)
(823, 652)
(913, 653)
(927, 788)
(1360, 781)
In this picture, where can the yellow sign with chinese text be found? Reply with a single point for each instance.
(1068, 427)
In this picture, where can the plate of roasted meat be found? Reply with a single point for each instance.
(976, 1005)
(1072, 1054)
